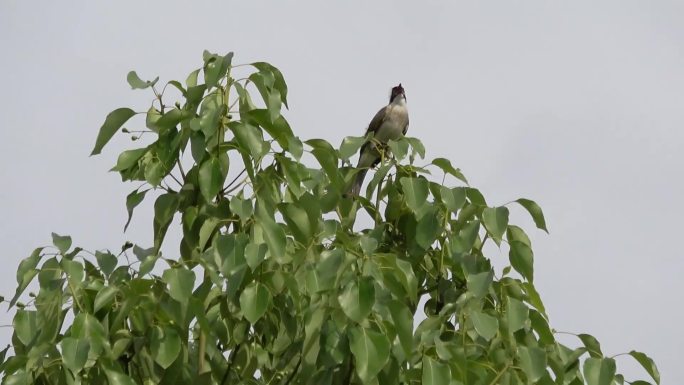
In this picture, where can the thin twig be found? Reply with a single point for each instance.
(233, 181)
(177, 181)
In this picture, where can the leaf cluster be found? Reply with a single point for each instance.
(280, 278)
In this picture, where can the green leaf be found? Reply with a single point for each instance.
(479, 283)
(111, 125)
(274, 235)
(599, 371)
(350, 146)
(151, 118)
(475, 196)
(216, 68)
(104, 297)
(371, 351)
(648, 364)
(198, 146)
(171, 119)
(86, 326)
(416, 192)
(132, 200)
(250, 139)
(264, 83)
(324, 276)
(242, 207)
(521, 259)
(495, 220)
(118, 378)
(403, 322)
(254, 301)
(535, 211)
(358, 299)
(515, 233)
(313, 319)
(178, 86)
(325, 155)
(255, 254)
(128, 159)
(446, 166)
(517, 314)
(25, 325)
(278, 129)
(164, 208)
(533, 362)
(380, 174)
(211, 178)
(165, 346)
(19, 377)
(210, 114)
(74, 353)
(435, 372)
(399, 148)
(278, 79)
(180, 281)
(534, 299)
(592, 345)
(25, 273)
(368, 244)
(295, 147)
(191, 80)
(154, 171)
(417, 146)
(428, 227)
(570, 358)
(541, 326)
(106, 261)
(453, 198)
(61, 242)
(485, 325)
(298, 222)
(136, 83)
(408, 279)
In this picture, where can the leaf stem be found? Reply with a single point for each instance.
(494, 381)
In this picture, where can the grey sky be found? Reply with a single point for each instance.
(577, 105)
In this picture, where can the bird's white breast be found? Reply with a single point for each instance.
(395, 120)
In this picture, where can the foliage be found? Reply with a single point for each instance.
(274, 282)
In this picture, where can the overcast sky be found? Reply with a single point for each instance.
(574, 104)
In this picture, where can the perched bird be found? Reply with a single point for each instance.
(390, 123)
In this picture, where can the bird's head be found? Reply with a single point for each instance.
(397, 91)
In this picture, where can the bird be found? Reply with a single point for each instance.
(390, 123)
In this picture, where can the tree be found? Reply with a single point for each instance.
(276, 281)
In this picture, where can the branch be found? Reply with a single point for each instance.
(296, 369)
(230, 364)
(350, 370)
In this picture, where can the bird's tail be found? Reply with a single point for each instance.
(355, 189)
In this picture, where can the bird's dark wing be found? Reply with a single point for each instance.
(403, 132)
(377, 121)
